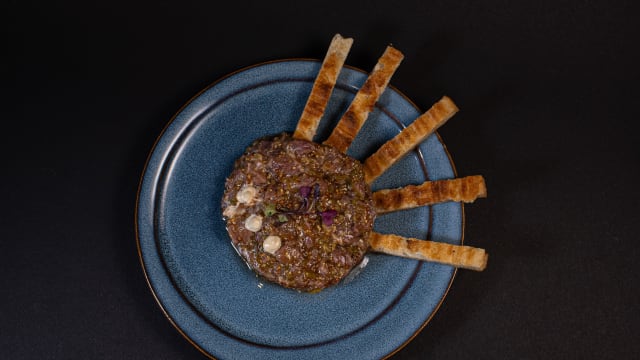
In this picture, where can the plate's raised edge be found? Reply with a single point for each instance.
(144, 170)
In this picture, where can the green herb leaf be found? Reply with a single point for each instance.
(269, 209)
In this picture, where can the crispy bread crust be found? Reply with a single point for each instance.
(323, 87)
(459, 256)
(394, 149)
(365, 100)
(466, 189)
(460, 190)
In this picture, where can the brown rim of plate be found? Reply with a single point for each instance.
(187, 103)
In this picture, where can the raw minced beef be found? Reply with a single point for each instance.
(299, 213)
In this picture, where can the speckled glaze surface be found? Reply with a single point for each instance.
(204, 287)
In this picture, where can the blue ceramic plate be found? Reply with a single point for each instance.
(207, 291)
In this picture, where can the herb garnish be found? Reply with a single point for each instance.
(310, 196)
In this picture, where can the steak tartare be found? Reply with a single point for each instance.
(299, 213)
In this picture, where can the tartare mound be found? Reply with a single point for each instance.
(299, 213)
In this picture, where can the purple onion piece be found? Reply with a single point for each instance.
(305, 191)
(328, 216)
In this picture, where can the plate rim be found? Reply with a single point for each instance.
(190, 101)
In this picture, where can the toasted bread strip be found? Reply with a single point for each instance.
(456, 255)
(323, 87)
(465, 189)
(365, 100)
(394, 149)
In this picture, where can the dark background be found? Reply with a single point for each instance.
(548, 92)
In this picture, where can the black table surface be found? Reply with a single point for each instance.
(548, 92)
